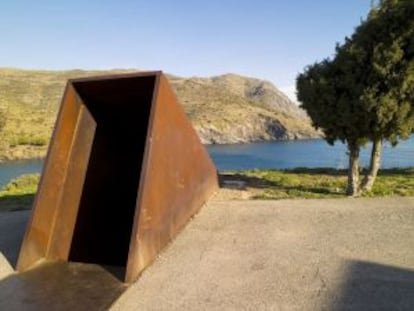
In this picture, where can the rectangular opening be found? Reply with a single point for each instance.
(121, 109)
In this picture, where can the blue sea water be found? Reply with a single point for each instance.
(12, 169)
(266, 155)
(303, 153)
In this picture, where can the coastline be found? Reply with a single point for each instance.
(18, 153)
(29, 152)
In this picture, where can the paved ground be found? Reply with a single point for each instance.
(347, 254)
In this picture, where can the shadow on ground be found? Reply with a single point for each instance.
(243, 182)
(60, 286)
(12, 228)
(312, 182)
(371, 286)
(343, 172)
(18, 202)
(52, 285)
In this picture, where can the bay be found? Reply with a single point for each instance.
(303, 153)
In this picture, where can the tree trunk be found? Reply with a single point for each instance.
(353, 171)
(374, 165)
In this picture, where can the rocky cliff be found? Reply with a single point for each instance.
(236, 109)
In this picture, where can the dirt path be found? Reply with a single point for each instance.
(347, 254)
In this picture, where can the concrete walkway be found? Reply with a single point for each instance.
(346, 254)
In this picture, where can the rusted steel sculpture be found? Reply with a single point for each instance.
(125, 171)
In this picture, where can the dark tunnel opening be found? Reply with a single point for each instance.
(121, 109)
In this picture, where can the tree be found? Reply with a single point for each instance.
(373, 72)
(383, 46)
(325, 92)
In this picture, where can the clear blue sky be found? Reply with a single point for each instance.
(268, 39)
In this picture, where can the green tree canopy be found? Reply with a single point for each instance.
(325, 92)
(381, 51)
(367, 90)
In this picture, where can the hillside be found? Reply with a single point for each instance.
(235, 109)
(224, 109)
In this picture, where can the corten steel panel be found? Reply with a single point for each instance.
(124, 173)
(178, 177)
(57, 194)
(66, 214)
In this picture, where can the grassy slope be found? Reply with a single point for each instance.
(317, 183)
(30, 100)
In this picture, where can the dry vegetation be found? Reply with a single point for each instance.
(231, 108)
(30, 100)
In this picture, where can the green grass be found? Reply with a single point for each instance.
(319, 183)
(18, 194)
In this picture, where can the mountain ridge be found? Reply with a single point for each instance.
(268, 114)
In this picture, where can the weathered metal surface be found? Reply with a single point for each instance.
(177, 179)
(53, 194)
(124, 173)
